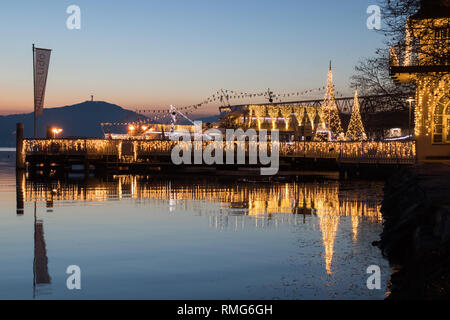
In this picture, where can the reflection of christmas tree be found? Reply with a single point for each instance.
(332, 119)
(355, 130)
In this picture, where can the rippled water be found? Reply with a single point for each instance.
(144, 237)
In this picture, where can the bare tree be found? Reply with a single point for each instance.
(395, 14)
(403, 20)
(372, 78)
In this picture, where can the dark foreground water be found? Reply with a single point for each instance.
(139, 237)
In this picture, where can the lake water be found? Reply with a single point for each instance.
(193, 237)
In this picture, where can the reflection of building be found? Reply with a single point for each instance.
(238, 206)
(424, 60)
(256, 198)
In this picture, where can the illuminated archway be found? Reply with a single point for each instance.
(441, 121)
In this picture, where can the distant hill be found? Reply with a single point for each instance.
(81, 120)
(209, 119)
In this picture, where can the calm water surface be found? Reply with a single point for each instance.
(138, 237)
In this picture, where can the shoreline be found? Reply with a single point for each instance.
(416, 232)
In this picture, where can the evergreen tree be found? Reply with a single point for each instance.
(331, 112)
(355, 131)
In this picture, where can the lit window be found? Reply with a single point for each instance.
(441, 121)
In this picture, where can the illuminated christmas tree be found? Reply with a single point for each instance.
(331, 112)
(355, 131)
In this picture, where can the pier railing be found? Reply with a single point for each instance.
(71, 147)
(370, 152)
(132, 150)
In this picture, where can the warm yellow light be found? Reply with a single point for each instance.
(131, 128)
(56, 130)
(144, 128)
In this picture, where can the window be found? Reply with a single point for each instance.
(448, 126)
(447, 116)
(441, 43)
(441, 122)
(441, 36)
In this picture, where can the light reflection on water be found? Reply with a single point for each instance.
(138, 237)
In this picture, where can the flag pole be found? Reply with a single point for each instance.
(34, 93)
(34, 256)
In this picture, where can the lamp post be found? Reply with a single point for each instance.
(56, 131)
(410, 100)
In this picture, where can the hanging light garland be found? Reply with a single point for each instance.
(429, 92)
(226, 95)
(250, 116)
(260, 112)
(286, 113)
(299, 114)
(273, 114)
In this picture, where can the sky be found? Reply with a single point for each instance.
(150, 54)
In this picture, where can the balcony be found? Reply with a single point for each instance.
(405, 63)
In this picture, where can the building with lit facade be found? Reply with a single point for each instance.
(424, 60)
(294, 120)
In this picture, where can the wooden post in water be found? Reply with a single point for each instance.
(20, 153)
(48, 132)
(86, 168)
(20, 191)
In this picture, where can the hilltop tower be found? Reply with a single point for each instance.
(424, 60)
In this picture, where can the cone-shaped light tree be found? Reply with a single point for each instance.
(355, 131)
(331, 112)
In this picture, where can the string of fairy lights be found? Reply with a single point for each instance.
(329, 115)
(222, 96)
(225, 95)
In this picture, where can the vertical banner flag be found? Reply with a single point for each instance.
(41, 63)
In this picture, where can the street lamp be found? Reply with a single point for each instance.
(56, 131)
(410, 100)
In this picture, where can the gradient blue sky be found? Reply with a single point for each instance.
(155, 53)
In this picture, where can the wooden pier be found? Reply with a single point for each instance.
(88, 156)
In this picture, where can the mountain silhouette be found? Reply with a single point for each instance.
(78, 120)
